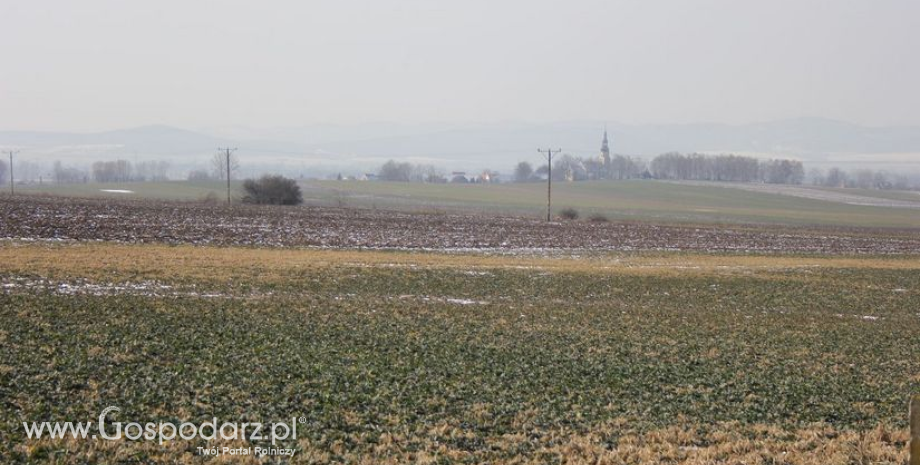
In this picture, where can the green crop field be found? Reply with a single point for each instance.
(634, 199)
(622, 200)
(395, 357)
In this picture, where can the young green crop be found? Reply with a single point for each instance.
(500, 362)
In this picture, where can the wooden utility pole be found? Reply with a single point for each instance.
(227, 152)
(548, 153)
(12, 186)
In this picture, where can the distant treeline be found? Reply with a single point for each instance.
(674, 166)
(862, 179)
(409, 172)
(123, 171)
(668, 166)
(733, 168)
(569, 168)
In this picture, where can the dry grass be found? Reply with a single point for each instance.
(726, 443)
(152, 261)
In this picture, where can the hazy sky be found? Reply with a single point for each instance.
(94, 65)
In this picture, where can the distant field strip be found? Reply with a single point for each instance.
(262, 226)
(161, 262)
(631, 199)
(644, 200)
(814, 194)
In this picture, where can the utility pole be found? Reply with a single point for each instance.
(548, 153)
(12, 187)
(227, 152)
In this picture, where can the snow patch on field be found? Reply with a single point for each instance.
(861, 317)
(452, 300)
(449, 300)
(116, 191)
(477, 273)
(84, 287)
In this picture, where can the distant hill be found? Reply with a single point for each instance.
(494, 145)
(147, 139)
(476, 145)
(806, 137)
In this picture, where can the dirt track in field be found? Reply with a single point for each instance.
(173, 223)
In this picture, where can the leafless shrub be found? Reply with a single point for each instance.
(568, 214)
(272, 190)
(598, 218)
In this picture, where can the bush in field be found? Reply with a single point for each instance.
(598, 218)
(568, 214)
(272, 190)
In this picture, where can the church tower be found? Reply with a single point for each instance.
(605, 151)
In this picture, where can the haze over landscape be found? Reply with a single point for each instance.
(518, 232)
(321, 150)
(329, 86)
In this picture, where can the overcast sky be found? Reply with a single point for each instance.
(96, 65)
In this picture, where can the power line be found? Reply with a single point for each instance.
(548, 153)
(227, 151)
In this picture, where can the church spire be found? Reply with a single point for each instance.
(605, 149)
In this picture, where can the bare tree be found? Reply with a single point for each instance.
(425, 173)
(219, 166)
(66, 174)
(395, 171)
(112, 171)
(880, 181)
(199, 175)
(151, 171)
(28, 171)
(782, 171)
(835, 178)
(816, 177)
(541, 172)
(623, 167)
(595, 168)
(569, 168)
(523, 172)
(864, 179)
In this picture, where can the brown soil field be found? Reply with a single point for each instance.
(49, 218)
